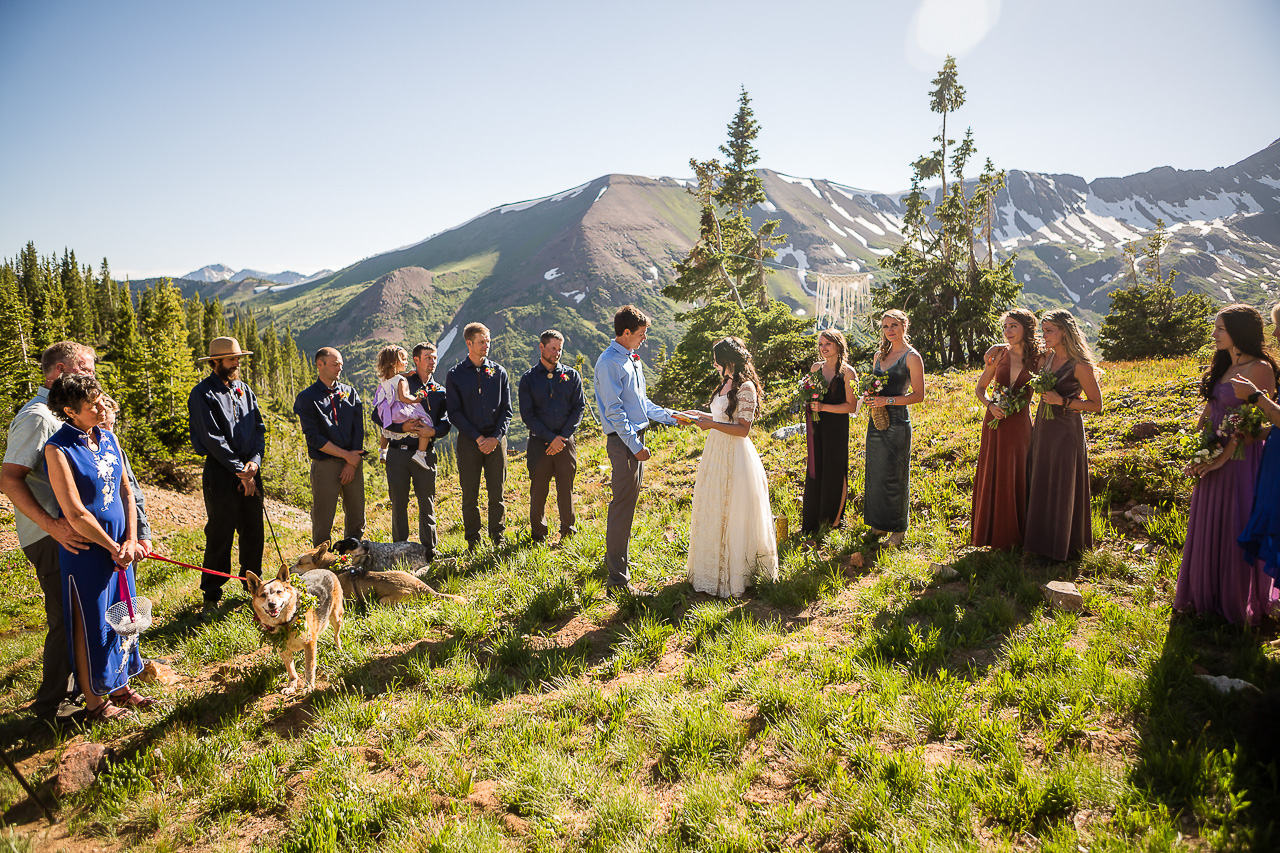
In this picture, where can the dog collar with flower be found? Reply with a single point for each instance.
(274, 634)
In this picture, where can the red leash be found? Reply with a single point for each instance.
(189, 566)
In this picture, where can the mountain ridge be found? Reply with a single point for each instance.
(570, 258)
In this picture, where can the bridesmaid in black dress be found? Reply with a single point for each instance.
(826, 482)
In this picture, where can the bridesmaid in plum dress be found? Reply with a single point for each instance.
(1000, 481)
(1059, 517)
(1215, 576)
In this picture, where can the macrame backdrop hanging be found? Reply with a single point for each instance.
(842, 299)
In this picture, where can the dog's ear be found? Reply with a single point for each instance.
(254, 582)
(283, 574)
(321, 551)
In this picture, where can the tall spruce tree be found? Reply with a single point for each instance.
(79, 312)
(952, 298)
(725, 276)
(19, 374)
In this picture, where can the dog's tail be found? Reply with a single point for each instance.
(423, 574)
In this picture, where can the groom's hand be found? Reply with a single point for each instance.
(643, 455)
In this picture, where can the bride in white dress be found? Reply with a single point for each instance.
(731, 533)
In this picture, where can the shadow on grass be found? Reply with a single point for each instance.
(1211, 758)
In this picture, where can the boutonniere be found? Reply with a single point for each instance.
(239, 391)
(488, 371)
(564, 377)
(340, 394)
(634, 357)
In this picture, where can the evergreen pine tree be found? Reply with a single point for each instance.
(79, 312)
(19, 372)
(169, 363)
(935, 276)
(108, 298)
(1147, 318)
(725, 276)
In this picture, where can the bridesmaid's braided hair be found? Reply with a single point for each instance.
(1245, 327)
(732, 353)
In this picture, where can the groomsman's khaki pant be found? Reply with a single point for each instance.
(326, 485)
(627, 472)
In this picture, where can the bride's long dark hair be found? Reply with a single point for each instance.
(1245, 327)
(731, 354)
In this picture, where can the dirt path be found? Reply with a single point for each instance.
(167, 511)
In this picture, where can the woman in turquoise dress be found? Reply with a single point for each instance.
(886, 502)
(86, 470)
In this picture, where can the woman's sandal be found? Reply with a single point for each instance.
(108, 711)
(130, 698)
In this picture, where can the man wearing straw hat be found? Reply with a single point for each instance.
(228, 431)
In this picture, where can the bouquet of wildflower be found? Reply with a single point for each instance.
(873, 384)
(1247, 421)
(1045, 380)
(812, 389)
(1203, 446)
(1007, 400)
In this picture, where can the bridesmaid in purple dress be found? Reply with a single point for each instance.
(1215, 577)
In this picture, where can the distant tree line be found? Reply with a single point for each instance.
(147, 341)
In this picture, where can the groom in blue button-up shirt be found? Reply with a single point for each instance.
(625, 413)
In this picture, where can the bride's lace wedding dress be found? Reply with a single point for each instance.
(731, 533)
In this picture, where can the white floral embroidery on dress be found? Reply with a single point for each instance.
(106, 465)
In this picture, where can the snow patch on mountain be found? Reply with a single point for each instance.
(552, 273)
(802, 265)
(804, 182)
(870, 226)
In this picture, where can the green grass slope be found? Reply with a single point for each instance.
(857, 703)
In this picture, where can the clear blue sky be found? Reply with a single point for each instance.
(302, 135)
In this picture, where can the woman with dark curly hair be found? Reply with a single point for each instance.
(1261, 537)
(731, 534)
(1215, 576)
(1000, 480)
(87, 471)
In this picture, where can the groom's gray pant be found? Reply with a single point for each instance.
(627, 470)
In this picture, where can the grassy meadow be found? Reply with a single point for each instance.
(857, 703)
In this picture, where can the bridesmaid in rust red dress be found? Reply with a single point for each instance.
(1000, 482)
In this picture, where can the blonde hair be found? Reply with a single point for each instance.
(1073, 341)
(894, 314)
(389, 358)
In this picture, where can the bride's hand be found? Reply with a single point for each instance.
(704, 423)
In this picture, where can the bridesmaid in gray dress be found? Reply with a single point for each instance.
(1059, 520)
(887, 499)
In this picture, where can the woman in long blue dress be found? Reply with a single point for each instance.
(86, 470)
(886, 502)
(1261, 537)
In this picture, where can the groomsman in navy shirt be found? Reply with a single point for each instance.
(478, 397)
(551, 405)
(332, 419)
